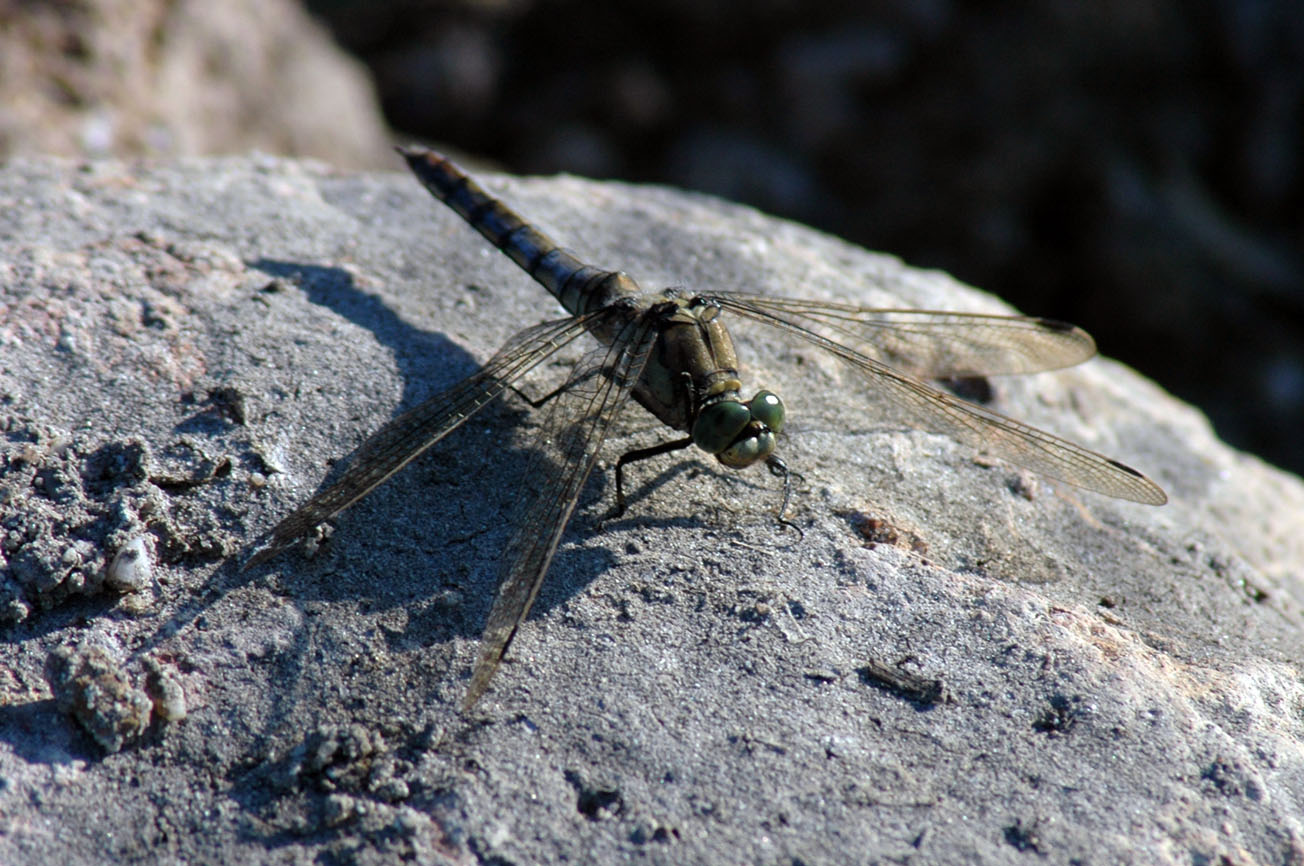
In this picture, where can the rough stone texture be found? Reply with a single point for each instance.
(187, 349)
(89, 685)
(181, 77)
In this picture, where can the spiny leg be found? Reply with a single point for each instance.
(538, 403)
(635, 456)
(779, 469)
(644, 453)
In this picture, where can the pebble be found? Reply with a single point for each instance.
(132, 567)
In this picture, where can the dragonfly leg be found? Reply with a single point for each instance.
(779, 469)
(565, 386)
(635, 456)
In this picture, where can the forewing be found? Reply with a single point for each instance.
(578, 420)
(931, 409)
(397, 443)
(933, 345)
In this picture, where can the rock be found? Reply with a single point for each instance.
(1102, 678)
(89, 685)
(130, 569)
(151, 78)
(165, 691)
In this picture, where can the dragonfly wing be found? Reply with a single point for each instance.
(577, 423)
(981, 428)
(935, 345)
(397, 443)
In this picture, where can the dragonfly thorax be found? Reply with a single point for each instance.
(737, 433)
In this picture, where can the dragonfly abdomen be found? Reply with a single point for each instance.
(579, 287)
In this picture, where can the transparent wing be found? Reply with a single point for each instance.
(935, 345)
(577, 423)
(401, 440)
(940, 412)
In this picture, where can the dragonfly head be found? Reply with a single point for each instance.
(737, 433)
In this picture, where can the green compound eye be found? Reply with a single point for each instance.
(747, 451)
(767, 408)
(719, 424)
(740, 434)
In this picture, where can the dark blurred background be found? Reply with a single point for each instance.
(1133, 166)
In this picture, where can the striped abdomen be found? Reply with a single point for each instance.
(579, 287)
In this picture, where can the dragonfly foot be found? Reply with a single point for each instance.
(779, 469)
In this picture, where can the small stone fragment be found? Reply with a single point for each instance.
(13, 607)
(88, 685)
(340, 809)
(165, 691)
(132, 567)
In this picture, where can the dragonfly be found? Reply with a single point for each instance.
(671, 351)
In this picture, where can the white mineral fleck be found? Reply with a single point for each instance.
(131, 568)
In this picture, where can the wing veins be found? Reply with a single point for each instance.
(938, 344)
(407, 436)
(537, 534)
(975, 425)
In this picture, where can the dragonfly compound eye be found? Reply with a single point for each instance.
(719, 424)
(740, 434)
(767, 408)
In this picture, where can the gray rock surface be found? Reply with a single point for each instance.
(187, 349)
(182, 78)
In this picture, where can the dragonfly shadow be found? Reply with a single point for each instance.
(427, 364)
(427, 361)
(414, 565)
